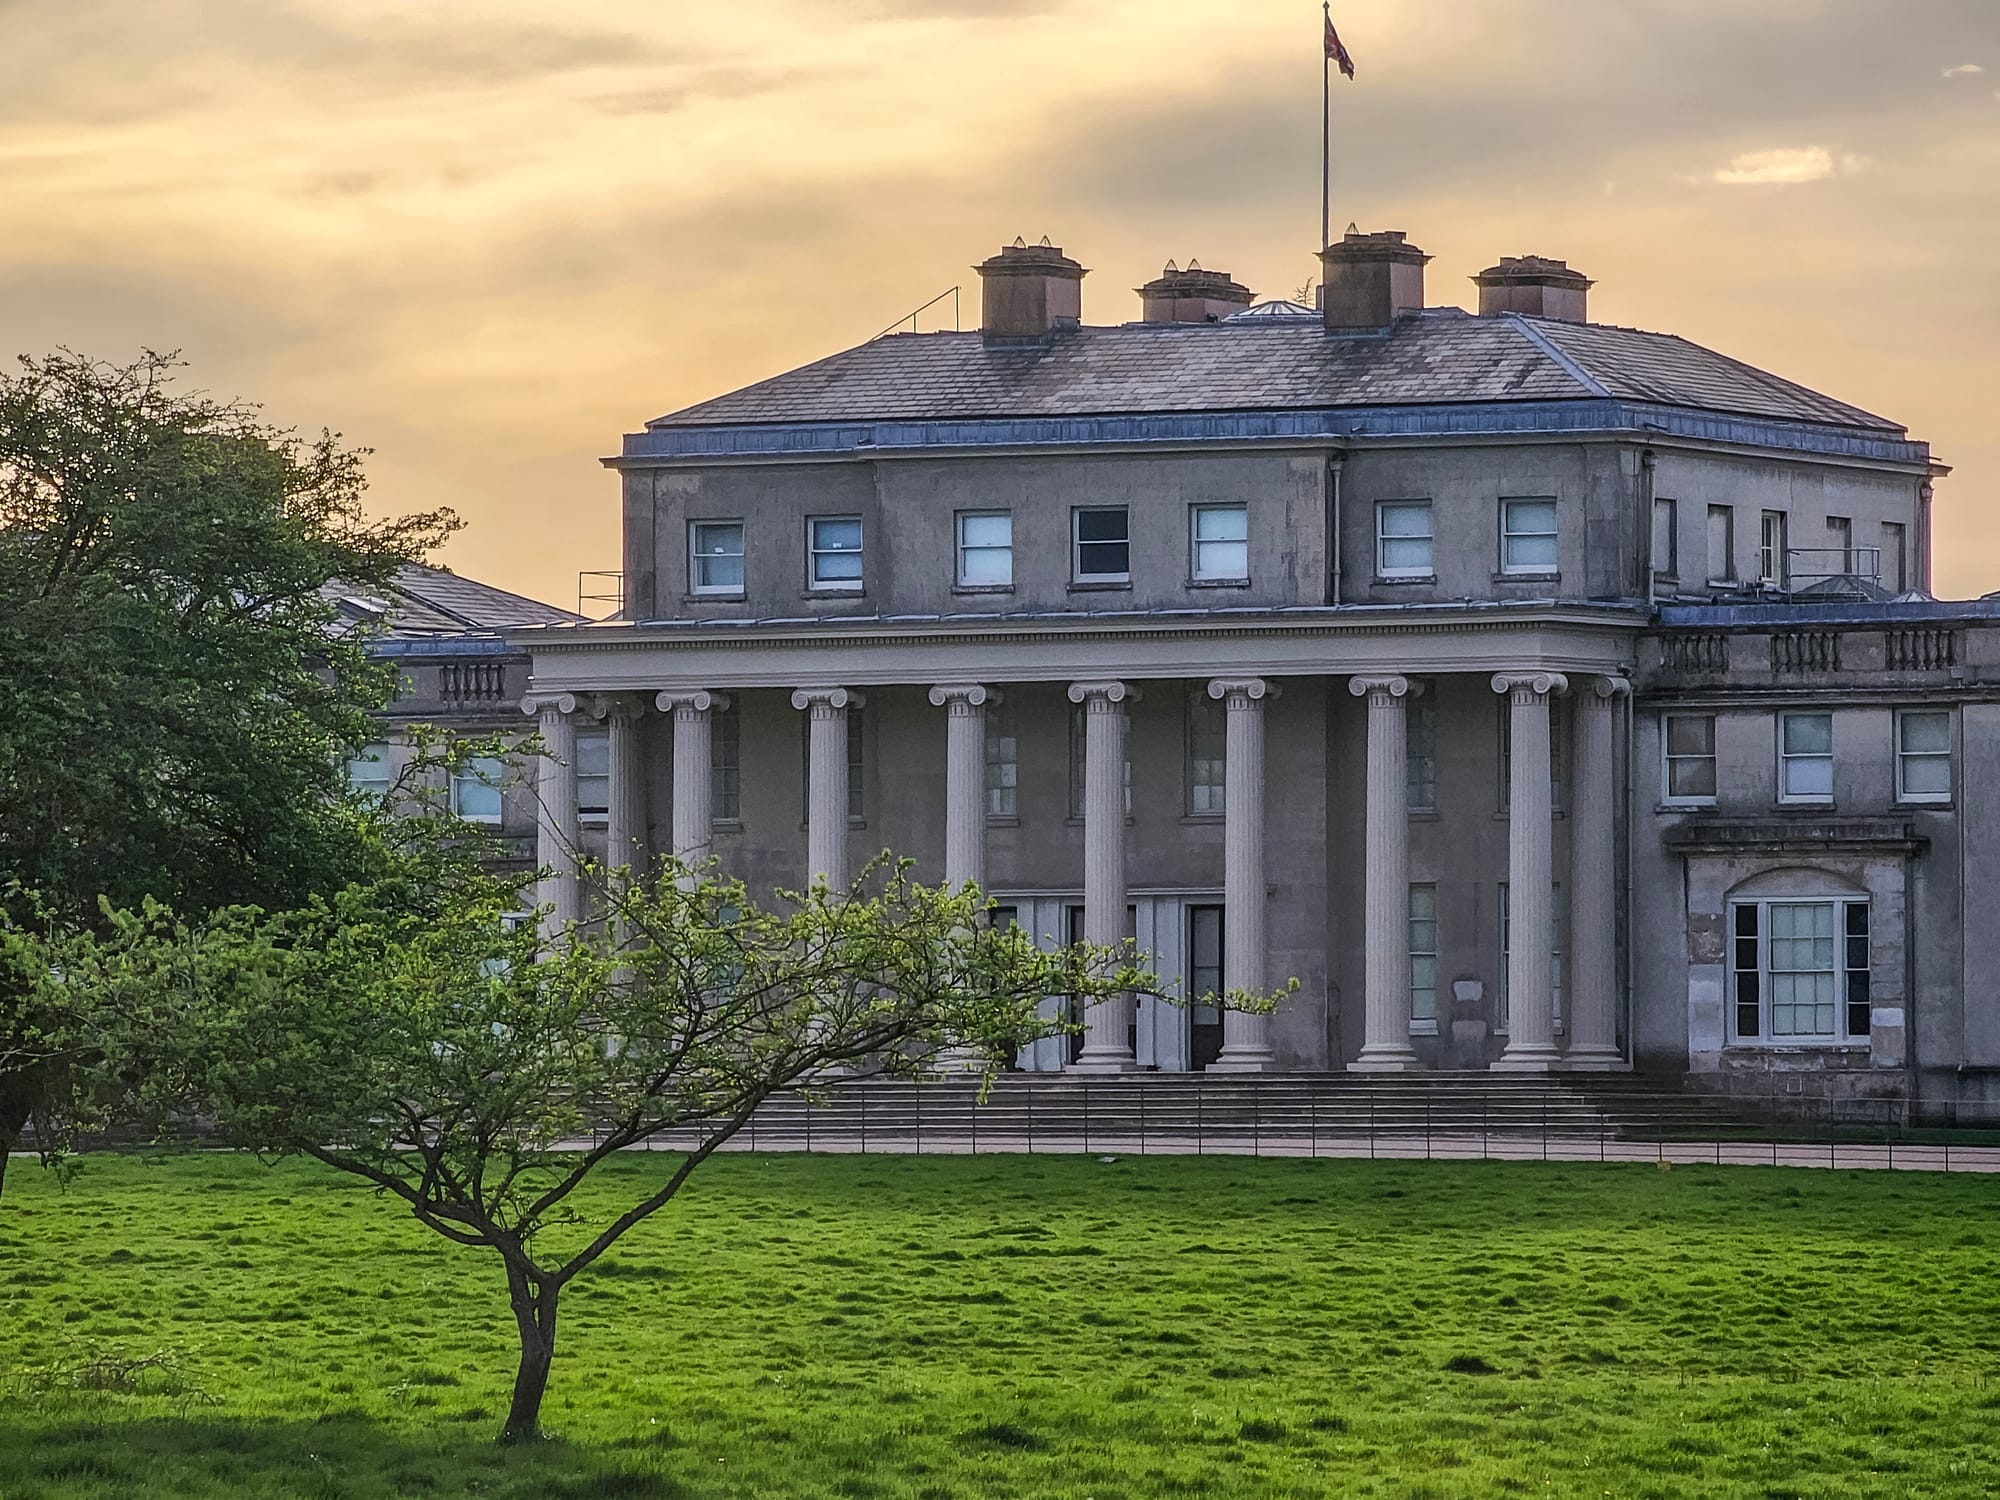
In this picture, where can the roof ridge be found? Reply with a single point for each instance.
(1568, 365)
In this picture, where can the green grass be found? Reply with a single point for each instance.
(850, 1327)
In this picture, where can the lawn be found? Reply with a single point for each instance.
(812, 1326)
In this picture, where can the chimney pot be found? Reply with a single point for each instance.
(1535, 287)
(1028, 291)
(1371, 280)
(1192, 296)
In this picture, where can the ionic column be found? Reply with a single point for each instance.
(557, 830)
(826, 781)
(1246, 1038)
(694, 769)
(964, 780)
(1593, 880)
(1385, 1046)
(1531, 1037)
(1107, 1045)
(625, 820)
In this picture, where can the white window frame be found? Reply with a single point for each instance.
(1207, 775)
(1077, 544)
(725, 766)
(1668, 797)
(814, 552)
(1511, 534)
(967, 549)
(1905, 755)
(1844, 971)
(1423, 893)
(1420, 749)
(1786, 796)
(1003, 763)
(487, 771)
(696, 557)
(1773, 547)
(1201, 548)
(593, 813)
(377, 757)
(1383, 539)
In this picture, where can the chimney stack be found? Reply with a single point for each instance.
(1535, 287)
(1193, 295)
(1027, 291)
(1370, 280)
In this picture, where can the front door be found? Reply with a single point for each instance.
(1205, 938)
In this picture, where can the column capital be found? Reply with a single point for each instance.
(968, 694)
(539, 703)
(835, 699)
(1242, 689)
(1606, 690)
(1389, 686)
(628, 708)
(1541, 684)
(695, 700)
(1108, 692)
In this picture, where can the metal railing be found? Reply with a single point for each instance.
(1400, 1121)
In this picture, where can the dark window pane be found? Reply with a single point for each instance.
(1746, 921)
(1100, 526)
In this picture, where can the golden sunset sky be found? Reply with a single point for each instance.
(485, 239)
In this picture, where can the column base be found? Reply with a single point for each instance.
(1386, 1060)
(1244, 1060)
(1595, 1060)
(1536, 1060)
(1104, 1060)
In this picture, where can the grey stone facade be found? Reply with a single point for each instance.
(1430, 594)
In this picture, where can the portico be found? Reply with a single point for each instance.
(907, 751)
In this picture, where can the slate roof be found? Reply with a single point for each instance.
(425, 602)
(1443, 356)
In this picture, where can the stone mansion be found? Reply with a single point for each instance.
(1539, 694)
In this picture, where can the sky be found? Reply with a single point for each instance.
(485, 239)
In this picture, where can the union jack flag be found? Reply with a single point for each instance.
(1335, 52)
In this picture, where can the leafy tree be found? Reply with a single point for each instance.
(480, 1074)
(175, 703)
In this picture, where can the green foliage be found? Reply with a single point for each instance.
(818, 1327)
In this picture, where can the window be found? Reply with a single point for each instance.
(1219, 541)
(1895, 556)
(593, 775)
(1422, 748)
(1840, 542)
(1771, 548)
(1721, 543)
(715, 557)
(1207, 750)
(368, 772)
(475, 789)
(1666, 541)
(1800, 970)
(1923, 755)
(725, 765)
(1557, 922)
(1423, 959)
(1805, 757)
(833, 545)
(1403, 539)
(1689, 740)
(1101, 545)
(1207, 938)
(1079, 755)
(985, 549)
(1003, 762)
(1527, 536)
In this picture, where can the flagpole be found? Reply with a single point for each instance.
(1326, 138)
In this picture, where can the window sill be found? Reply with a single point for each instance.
(726, 825)
(1395, 580)
(1423, 815)
(1003, 820)
(982, 588)
(1100, 586)
(1927, 804)
(1855, 1046)
(852, 824)
(828, 592)
(1204, 820)
(1706, 805)
(1218, 583)
(1423, 1028)
(1805, 804)
(1079, 822)
(733, 597)
(1506, 577)
(594, 819)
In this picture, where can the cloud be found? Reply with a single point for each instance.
(1787, 167)
(1963, 70)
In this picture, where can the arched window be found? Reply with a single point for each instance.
(1799, 961)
